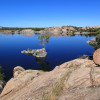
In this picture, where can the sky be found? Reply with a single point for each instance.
(49, 13)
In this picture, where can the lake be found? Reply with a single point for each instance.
(59, 49)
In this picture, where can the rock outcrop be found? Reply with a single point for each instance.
(7, 32)
(95, 42)
(27, 31)
(90, 27)
(92, 42)
(21, 79)
(59, 30)
(17, 71)
(89, 57)
(75, 80)
(96, 57)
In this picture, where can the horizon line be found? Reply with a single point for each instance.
(48, 26)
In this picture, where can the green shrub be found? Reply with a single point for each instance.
(1, 74)
(44, 39)
(98, 41)
(98, 32)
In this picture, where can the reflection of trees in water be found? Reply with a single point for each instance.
(0, 35)
(2, 76)
(87, 35)
(39, 60)
(45, 66)
(44, 39)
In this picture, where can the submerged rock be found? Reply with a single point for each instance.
(39, 53)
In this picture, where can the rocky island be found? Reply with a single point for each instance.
(38, 53)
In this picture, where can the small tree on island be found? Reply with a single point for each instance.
(44, 39)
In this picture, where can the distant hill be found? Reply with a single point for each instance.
(53, 30)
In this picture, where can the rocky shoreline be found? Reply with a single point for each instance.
(95, 42)
(92, 42)
(80, 76)
(55, 31)
(78, 79)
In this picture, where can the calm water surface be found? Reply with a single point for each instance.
(60, 50)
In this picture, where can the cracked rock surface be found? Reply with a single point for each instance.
(79, 80)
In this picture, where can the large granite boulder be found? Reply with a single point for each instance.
(19, 80)
(96, 57)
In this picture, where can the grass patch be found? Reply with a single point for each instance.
(56, 89)
(98, 32)
(2, 76)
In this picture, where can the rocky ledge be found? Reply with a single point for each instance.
(39, 53)
(74, 80)
(92, 42)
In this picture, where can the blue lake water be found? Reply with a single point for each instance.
(60, 50)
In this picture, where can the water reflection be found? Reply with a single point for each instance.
(45, 66)
(46, 37)
(88, 35)
(60, 49)
(39, 60)
(39, 54)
